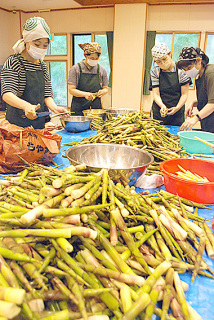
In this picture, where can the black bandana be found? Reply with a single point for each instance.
(190, 53)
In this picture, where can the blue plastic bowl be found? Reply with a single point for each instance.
(192, 145)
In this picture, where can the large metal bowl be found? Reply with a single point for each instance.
(76, 123)
(97, 112)
(131, 161)
(119, 112)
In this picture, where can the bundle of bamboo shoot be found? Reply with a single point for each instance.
(84, 248)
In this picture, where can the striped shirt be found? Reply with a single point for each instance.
(182, 77)
(13, 76)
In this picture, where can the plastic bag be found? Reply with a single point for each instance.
(149, 182)
(32, 145)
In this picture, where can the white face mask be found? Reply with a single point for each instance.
(192, 73)
(92, 63)
(37, 53)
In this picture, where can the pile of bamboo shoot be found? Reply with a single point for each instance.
(77, 246)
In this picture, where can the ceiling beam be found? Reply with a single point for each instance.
(150, 2)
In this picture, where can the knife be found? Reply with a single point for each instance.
(39, 114)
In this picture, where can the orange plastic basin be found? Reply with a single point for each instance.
(201, 192)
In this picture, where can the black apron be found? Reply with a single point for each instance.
(207, 124)
(34, 94)
(170, 93)
(90, 83)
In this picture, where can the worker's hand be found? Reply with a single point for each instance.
(52, 126)
(30, 111)
(100, 93)
(58, 110)
(189, 123)
(172, 111)
(163, 111)
(188, 110)
(89, 96)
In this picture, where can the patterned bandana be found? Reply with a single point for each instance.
(90, 47)
(34, 28)
(190, 53)
(159, 50)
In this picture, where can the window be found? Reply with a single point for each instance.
(77, 51)
(101, 39)
(58, 46)
(104, 58)
(209, 47)
(176, 41)
(182, 40)
(58, 75)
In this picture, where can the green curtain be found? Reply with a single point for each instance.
(110, 49)
(150, 42)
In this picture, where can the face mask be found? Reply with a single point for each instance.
(37, 53)
(192, 73)
(92, 63)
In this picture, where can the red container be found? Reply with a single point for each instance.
(201, 192)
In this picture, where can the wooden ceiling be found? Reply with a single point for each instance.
(150, 2)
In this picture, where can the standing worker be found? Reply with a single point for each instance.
(25, 82)
(196, 64)
(169, 86)
(87, 81)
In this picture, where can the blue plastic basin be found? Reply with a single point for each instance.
(192, 145)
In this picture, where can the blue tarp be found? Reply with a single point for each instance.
(201, 294)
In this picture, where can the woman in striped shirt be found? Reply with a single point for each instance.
(25, 82)
(169, 86)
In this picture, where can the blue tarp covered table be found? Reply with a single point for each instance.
(201, 294)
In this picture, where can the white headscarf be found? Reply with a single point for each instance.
(34, 28)
(160, 50)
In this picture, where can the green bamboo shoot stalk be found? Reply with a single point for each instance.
(91, 192)
(129, 239)
(14, 208)
(137, 307)
(3, 282)
(106, 263)
(167, 293)
(126, 254)
(66, 202)
(64, 244)
(27, 266)
(74, 287)
(173, 227)
(60, 315)
(23, 196)
(9, 310)
(107, 298)
(104, 272)
(164, 249)
(6, 272)
(20, 275)
(9, 254)
(198, 258)
(181, 296)
(104, 186)
(78, 193)
(14, 295)
(126, 298)
(60, 285)
(48, 213)
(49, 233)
(69, 189)
(47, 260)
(194, 227)
(113, 254)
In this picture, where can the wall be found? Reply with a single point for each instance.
(9, 26)
(180, 18)
(128, 55)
